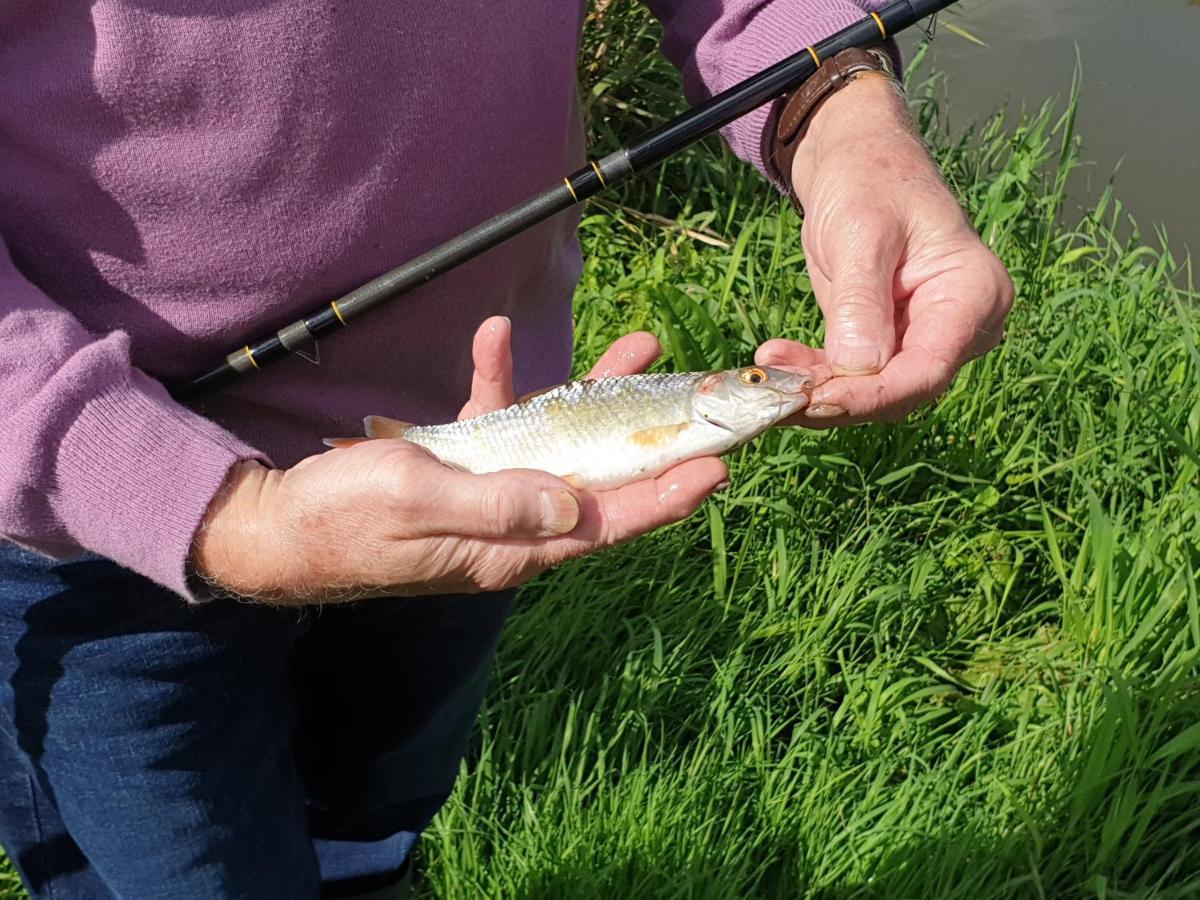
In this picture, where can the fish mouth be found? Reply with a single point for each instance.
(788, 402)
(792, 403)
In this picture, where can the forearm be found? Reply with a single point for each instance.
(97, 456)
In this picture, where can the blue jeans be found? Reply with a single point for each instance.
(151, 749)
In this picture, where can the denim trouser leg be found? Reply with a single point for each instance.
(152, 749)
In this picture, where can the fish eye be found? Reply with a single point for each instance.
(752, 376)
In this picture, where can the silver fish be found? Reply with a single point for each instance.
(606, 432)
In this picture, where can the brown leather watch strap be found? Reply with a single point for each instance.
(797, 108)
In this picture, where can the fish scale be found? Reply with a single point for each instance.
(608, 431)
(566, 425)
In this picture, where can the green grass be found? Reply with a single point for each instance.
(953, 657)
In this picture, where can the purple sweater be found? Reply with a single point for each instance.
(176, 178)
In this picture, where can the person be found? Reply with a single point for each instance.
(187, 710)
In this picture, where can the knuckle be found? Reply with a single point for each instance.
(1005, 292)
(1000, 290)
(499, 509)
(988, 289)
(863, 236)
(856, 303)
(941, 376)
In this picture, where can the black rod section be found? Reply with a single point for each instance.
(644, 153)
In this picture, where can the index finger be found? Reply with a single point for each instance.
(951, 320)
(628, 355)
(491, 383)
(911, 377)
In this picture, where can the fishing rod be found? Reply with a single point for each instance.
(642, 154)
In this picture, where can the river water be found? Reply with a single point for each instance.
(1139, 111)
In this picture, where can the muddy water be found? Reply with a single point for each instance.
(1140, 107)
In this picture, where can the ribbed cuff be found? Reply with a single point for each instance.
(134, 475)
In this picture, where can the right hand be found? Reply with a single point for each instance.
(386, 518)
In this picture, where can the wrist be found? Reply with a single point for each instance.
(230, 550)
(869, 109)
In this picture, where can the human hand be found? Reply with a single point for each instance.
(385, 518)
(909, 292)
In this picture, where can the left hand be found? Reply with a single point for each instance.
(410, 525)
(909, 292)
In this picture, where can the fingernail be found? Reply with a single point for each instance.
(860, 358)
(824, 411)
(724, 485)
(560, 512)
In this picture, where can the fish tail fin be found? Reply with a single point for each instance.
(342, 442)
(375, 427)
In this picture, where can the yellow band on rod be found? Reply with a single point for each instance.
(599, 174)
(574, 196)
(250, 355)
(337, 312)
(813, 54)
(879, 22)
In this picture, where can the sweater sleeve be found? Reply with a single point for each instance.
(717, 43)
(97, 457)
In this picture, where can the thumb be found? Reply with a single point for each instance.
(860, 329)
(512, 504)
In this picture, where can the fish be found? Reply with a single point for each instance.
(602, 433)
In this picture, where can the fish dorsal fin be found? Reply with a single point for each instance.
(383, 427)
(657, 435)
(525, 397)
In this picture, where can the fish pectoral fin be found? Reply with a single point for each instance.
(717, 422)
(657, 435)
(343, 442)
(383, 427)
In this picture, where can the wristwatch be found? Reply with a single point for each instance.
(797, 109)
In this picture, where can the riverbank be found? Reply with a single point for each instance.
(954, 657)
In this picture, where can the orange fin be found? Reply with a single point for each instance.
(658, 435)
(375, 427)
(383, 427)
(574, 481)
(342, 443)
